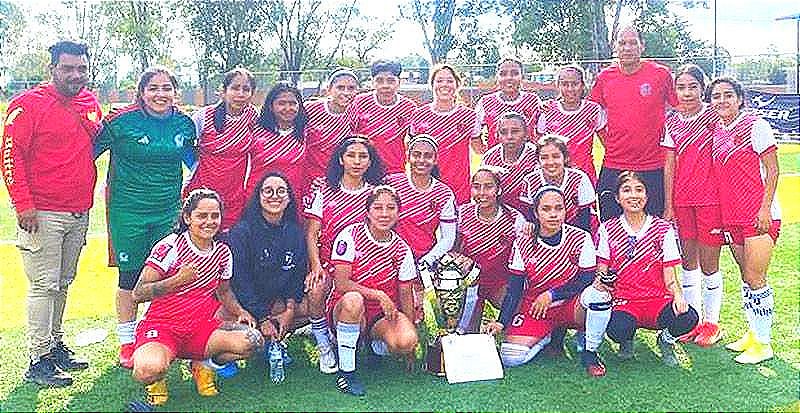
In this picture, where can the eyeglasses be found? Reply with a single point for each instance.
(280, 192)
(631, 246)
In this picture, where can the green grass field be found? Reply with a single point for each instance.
(707, 379)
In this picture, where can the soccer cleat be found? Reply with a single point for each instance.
(327, 359)
(65, 358)
(157, 393)
(348, 382)
(228, 370)
(204, 379)
(126, 355)
(743, 343)
(667, 351)
(625, 350)
(690, 336)
(755, 353)
(594, 366)
(46, 373)
(709, 335)
(556, 346)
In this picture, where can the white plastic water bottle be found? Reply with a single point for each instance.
(276, 368)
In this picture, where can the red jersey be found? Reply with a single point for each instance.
(737, 154)
(547, 267)
(421, 211)
(453, 132)
(324, 131)
(512, 174)
(47, 150)
(195, 301)
(578, 127)
(576, 187)
(636, 105)
(488, 243)
(639, 257)
(280, 152)
(335, 208)
(691, 139)
(491, 106)
(379, 265)
(222, 159)
(385, 126)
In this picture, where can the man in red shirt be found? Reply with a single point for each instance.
(635, 95)
(50, 175)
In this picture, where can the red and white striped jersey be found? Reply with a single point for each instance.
(335, 209)
(491, 106)
(512, 174)
(222, 158)
(576, 186)
(385, 126)
(691, 139)
(280, 152)
(547, 267)
(488, 243)
(195, 301)
(421, 211)
(737, 152)
(324, 131)
(638, 257)
(578, 127)
(453, 132)
(380, 265)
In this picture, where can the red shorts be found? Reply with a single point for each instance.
(645, 311)
(187, 343)
(736, 234)
(561, 315)
(701, 223)
(491, 286)
(372, 313)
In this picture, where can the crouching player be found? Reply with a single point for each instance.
(374, 268)
(643, 250)
(187, 277)
(557, 264)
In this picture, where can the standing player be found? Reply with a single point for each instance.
(553, 169)
(552, 268)
(147, 141)
(508, 97)
(279, 142)
(383, 115)
(224, 135)
(643, 251)
(746, 166)
(186, 278)
(327, 121)
(514, 157)
(485, 232)
(575, 118)
(374, 270)
(634, 94)
(692, 201)
(451, 124)
(427, 221)
(334, 203)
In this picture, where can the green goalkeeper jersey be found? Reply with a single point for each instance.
(145, 173)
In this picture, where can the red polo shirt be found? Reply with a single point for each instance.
(47, 150)
(635, 104)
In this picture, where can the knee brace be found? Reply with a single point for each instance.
(621, 327)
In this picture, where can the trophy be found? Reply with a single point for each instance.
(446, 308)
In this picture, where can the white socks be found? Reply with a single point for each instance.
(126, 332)
(598, 312)
(347, 339)
(319, 328)
(761, 308)
(691, 281)
(513, 355)
(712, 297)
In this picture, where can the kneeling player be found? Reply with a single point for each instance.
(374, 270)
(643, 250)
(557, 263)
(182, 277)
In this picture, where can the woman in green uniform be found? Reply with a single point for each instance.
(148, 140)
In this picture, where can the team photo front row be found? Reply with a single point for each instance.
(324, 213)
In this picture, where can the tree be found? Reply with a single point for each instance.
(140, 30)
(12, 23)
(89, 22)
(435, 19)
(360, 40)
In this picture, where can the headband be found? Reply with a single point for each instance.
(423, 138)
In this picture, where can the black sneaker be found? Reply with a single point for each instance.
(592, 363)
(65, 358)
(348, 382)
(45, 373)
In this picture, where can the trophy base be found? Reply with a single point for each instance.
(434, 359)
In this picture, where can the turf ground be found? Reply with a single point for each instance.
(707, 379)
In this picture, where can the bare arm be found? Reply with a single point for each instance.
(669, 174)
(770, 161)
(406, 293)
(150, 285)
(315, 272)
(228, 299)
(679, 304)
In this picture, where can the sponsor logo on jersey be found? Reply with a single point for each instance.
(144, 140)
(645, 89)
(288, 261)
(123, 257)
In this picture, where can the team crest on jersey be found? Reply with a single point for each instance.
(92, 116)
(160, 252)
(341, 247)
(151, 334)
(179, 139)
(288, 261)
(144, 140)
(265, 254)
(123, 257)
(645, 89)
